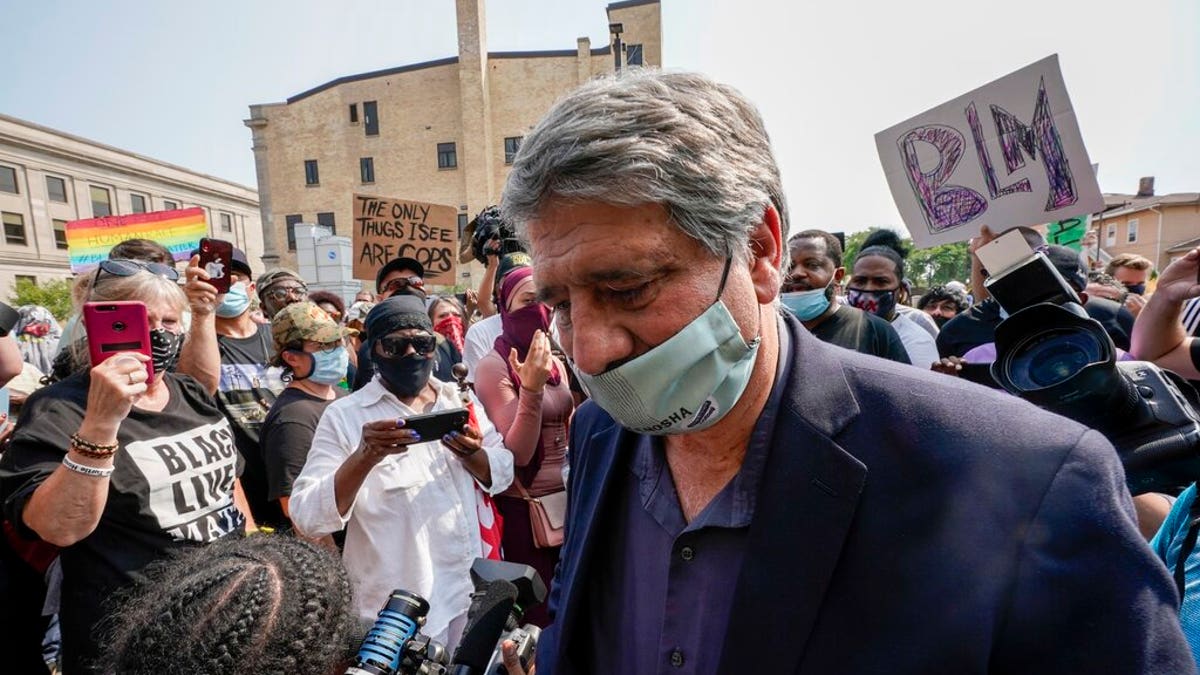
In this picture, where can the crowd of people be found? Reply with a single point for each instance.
(726, 449)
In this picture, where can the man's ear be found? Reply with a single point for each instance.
(766, 248)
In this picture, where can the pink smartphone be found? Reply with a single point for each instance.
(114, 327)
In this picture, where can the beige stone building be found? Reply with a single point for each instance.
(48, 177)
(441, 131)
(1158, 227)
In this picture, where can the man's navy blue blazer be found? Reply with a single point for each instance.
(907, 522)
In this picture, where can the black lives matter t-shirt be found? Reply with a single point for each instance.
(172, 487)
(852, 328)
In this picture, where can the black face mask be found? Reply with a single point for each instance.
(941, 320)
(164, 349)
(404, 376)
(1136, 289)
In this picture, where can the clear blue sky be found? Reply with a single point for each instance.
(174, 80)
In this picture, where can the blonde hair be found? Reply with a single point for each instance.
(144, 286)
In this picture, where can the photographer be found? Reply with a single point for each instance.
(1158, 336)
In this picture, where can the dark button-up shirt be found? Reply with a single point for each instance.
(660, 597)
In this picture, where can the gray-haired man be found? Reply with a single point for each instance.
(746, 498)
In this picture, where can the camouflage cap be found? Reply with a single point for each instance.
(302, 321)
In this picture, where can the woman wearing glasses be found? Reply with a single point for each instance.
(119, 468)
(409, 504)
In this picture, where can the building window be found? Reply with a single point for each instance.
(633, 55)
(447, 156)
(1110, 235)
(462, 224)
(511, 145)
(1133, 228)
(169, 205)
(353, 113)
(101, 202)
(371, 118)
(56, 189)
(366, 169)
(226, 222)
(311, 175)
(14, 228)
(25, 278)
(292, 221)
(8, 180)
(326, 220)
(60, 234)
(138, 203)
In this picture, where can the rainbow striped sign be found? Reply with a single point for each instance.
(88, 241)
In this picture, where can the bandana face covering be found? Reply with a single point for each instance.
(686, 384)
(404, 375)
(164, 349)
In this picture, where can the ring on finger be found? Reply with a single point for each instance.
(131, 380)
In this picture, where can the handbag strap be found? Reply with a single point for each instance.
(521, 488)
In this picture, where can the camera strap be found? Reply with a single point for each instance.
(1189, 545)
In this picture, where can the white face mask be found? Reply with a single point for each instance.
(685, 384)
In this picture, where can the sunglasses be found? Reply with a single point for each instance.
(128, 268)
(397, 345)
(281, 293)
(403, 283)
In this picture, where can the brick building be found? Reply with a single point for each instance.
(441, 131)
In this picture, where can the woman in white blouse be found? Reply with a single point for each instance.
(410, 505)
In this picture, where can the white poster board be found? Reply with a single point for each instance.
(1008, 153)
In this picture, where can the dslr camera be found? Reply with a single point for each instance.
(1051, 353)
(489, 233)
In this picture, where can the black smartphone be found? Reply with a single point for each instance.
(215, 257)
(433, 426)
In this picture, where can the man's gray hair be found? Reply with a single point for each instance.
(681, 140)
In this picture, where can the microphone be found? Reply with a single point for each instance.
(491, 611)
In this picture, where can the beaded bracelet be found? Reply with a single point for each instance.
(93, 450)
(92, 471)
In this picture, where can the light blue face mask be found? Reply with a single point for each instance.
(807, 305)
(235, 303)
(329, 367)
(685, 384)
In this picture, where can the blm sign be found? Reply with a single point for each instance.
(387, 228)
(1008, 153)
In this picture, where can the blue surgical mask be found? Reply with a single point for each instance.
(807, 305)
(329, 367)
(235, 303)
(685, 384)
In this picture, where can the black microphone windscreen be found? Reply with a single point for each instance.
(485, 624)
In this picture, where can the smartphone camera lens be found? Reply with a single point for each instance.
(118, 326)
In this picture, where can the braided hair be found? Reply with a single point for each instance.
(267, 604)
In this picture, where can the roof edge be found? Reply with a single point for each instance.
(370, 75)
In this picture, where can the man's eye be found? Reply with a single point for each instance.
(629, 295)
(562, 313)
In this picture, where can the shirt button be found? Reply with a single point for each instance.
(687, 553)
(677, 658)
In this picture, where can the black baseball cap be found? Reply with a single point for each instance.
(398, 264)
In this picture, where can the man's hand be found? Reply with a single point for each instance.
(1105, 291)
(1179, 280)
(511, 662)
(950, 365)
(202, 296)
(1134, 303)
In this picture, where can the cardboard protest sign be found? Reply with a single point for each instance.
(1006, 154)
(88, 241)
(386, 228)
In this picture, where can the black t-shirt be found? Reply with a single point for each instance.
(852, 328)
(172, 487)
(247, 388)
(287, 437)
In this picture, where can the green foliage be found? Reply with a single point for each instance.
(53, 295)
(926, 267)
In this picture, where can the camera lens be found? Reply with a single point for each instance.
(118, 326)
(1053, 357)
